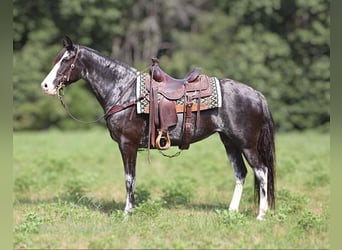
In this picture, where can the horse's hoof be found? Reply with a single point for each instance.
(127, 214)
(125, 218)
(231, 209)
(261, 217)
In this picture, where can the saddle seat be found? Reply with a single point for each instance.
(161, 76)
(170, 87)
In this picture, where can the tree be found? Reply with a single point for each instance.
(279, 47)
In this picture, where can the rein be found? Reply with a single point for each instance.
(114, 109)
(60, 96)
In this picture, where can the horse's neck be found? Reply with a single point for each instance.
(108, 78)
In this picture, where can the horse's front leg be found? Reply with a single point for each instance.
(129, 156)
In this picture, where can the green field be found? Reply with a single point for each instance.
(69, 193)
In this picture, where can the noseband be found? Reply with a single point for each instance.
(66, 77)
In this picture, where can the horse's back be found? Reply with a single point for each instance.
(237, 91)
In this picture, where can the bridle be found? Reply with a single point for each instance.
(66, 77)
(60, 90)
(114, 109)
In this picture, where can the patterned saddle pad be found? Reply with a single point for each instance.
(208, 102)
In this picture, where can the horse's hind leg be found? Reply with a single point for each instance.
(240, 172)
(260, 180)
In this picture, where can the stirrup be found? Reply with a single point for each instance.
(163, 140)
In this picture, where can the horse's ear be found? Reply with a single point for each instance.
(67, 43)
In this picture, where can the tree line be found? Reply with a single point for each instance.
(279, 47)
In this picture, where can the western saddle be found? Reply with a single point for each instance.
(165, 94)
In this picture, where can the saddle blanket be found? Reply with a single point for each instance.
(209, 102)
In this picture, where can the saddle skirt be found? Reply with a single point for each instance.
(206, 88)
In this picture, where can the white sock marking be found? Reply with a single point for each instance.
(235, 202)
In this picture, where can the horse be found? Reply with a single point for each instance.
(244, 121)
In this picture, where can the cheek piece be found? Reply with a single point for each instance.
(66, 78)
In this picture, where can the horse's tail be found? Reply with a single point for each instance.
(266, 151)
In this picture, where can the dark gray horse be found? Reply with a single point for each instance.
(244, 122)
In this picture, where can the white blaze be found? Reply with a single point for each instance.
(47, 84)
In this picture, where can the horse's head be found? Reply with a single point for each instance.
(66, 69)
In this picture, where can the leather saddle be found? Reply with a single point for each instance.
(173, 89)
(164, 94)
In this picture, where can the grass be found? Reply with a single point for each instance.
(70, 186)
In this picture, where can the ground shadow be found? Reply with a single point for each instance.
(88, 201)
(109, 206)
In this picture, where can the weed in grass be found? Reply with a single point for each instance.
(308, 221)
(60, 165)
(318, 180)
(227, 217)
(75, 190)
(178, 192)
(290, 202)
(103, 243)
(248, 195)
(149, 208)
(31, 224)
(290, 163)
(53, 168)
(179, 245)
(24, 183)
(141, 195)
(117, 216)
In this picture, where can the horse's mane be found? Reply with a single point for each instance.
(108, 62)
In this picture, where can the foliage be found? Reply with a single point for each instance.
(280, 47)
(310, 221)
(227, 217)
(178, 192)
(69, 186)
(148, 209)
(31, 224)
